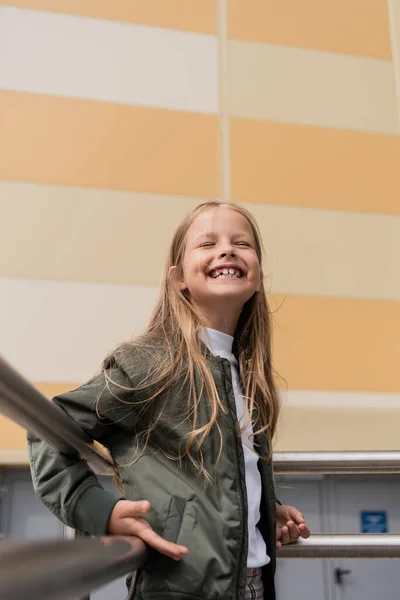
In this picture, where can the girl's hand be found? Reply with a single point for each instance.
(290, 525)
(125, 519)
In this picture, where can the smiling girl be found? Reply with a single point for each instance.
(188, 411)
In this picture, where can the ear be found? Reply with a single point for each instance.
(176, 280)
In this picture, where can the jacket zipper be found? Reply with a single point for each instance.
(237, 460)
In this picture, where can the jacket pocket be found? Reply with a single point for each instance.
(174, 521)
(162, 574)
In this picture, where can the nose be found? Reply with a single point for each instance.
(227, 252)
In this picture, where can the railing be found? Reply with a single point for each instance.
(362, 545)
(76, 567)
(337, 463)
(25, 405)
(83, 564)
(72, 568)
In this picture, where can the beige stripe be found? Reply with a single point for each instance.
(337, 344)
(352, 27)
(78, 142)
(13, 458)
(311, 87)
(322, 429)
(329, 253)
(86, 234)
(335, 429)
(286, 164)
(191, 15)
(338, 400)
(308, 251)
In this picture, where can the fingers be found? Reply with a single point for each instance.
(174, 551)
(126, 519)
(304, 531)
(295, 515)
(290, 533)
(142, 529)
(128, 508)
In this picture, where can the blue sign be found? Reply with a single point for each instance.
(374, 521)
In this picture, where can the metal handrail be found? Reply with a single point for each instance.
(80, 566)
(59, 569)
(355, 463)
(346, 546)
(25, 405)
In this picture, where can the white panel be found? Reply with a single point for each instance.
(60, 332)
(320, 399)
(307, 577)
(365, 579)
(105, 60)
(297, 85)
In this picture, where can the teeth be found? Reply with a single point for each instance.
(235, 272)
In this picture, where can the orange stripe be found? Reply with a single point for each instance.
(12, 436)
(190, 15)
(78, 142)
(348, 26)
(297, 165)
(337, 343)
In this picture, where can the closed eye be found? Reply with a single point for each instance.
(207, 244)
(243, 244)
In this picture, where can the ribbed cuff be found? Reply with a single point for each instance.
(94, 509)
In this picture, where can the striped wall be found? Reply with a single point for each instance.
(118, 117)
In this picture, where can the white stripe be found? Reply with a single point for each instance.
(311, 87)
(97, 59)
(350, 400)
(60, 332)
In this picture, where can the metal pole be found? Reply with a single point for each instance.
(363, 545)
(64, 569)
(25, 405)
(337, 462)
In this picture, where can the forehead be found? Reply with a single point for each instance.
(219, 220)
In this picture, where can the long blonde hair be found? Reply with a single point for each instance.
(175, 326)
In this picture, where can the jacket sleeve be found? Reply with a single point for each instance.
(64, 482)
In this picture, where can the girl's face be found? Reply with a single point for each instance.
(220, 260)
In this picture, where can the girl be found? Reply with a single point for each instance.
(188, 411)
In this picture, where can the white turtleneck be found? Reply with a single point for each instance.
(220, 344)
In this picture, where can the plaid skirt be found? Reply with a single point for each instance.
(254, 585)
